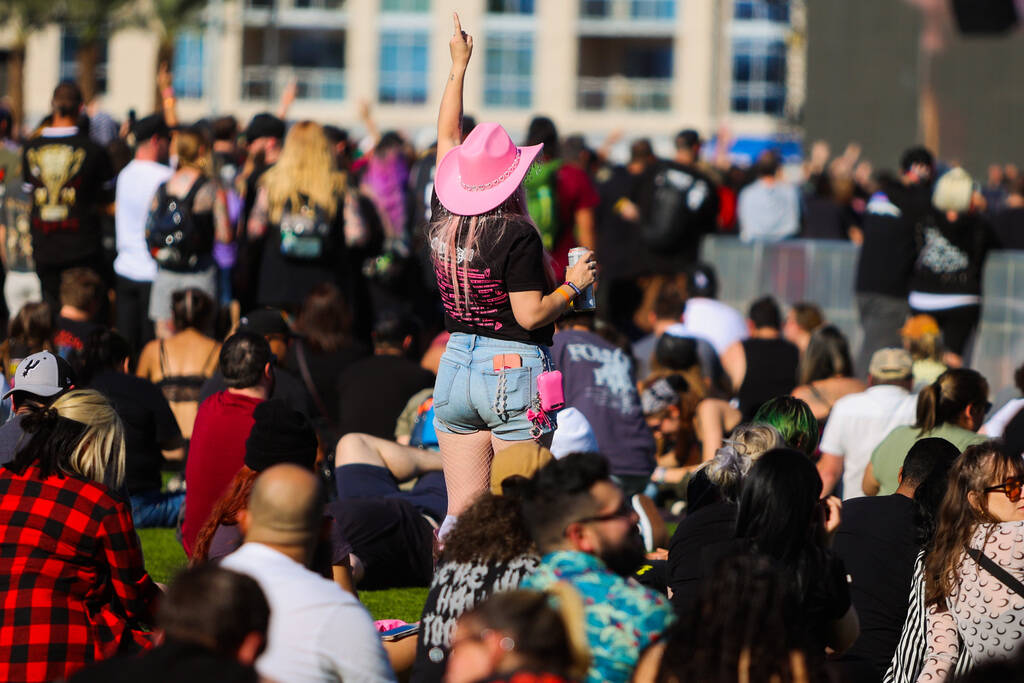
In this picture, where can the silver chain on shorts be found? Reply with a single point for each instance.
(500, 406)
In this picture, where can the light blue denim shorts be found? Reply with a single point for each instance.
(470, 396)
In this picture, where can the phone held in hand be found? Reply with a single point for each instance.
(400, 632)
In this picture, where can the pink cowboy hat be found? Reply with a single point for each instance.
(483, 171)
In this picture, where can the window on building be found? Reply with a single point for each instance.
(69, 60)
(652, 9)
(509, 64)
(635, 9)
(759, 76)
(318, 4)
(313, 58)
(510, 6)
(771, 10)
(405, 6)
(189, 64)
(403, 67)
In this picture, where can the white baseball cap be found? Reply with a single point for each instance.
(42, 374)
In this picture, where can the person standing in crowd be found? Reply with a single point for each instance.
(71, 183)
(801, 322)
(705, 316)
(318, 632)
(599, 382)
(973, 572)
(498, 299)
(193, 201)
(81, 294)
(764, 365)
(826, 372)
(21, 284)
(923, 339)
(769, 208)
(586, 532)
(888, 252)
(134, 266)
(488, 551)
(39, 380)
(214, 625)
(858, 422)
(217, 450)
(181, 364)
(299, 216)
(953, 408)
(953, 242)
(75, 585)
(518, 637)
(878, 541)
(560, 196)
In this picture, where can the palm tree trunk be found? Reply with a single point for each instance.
(16, 85)
(88, 57)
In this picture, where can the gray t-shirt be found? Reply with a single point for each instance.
(10, 436)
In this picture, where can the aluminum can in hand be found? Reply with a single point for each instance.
(585, 301)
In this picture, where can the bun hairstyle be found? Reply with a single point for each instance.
(734, 459)
(948, 396)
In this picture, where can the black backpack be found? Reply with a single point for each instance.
(305, 232)
(678, 200)
(174, 237)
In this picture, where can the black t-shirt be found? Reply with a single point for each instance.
(149, 426)
(71, 336)
(701, 196)
(700, 540)
(1009, 227)
(771, 371)
(619, 248)
(889, 249)
(324, 368)
(373, 392)
(70, 180)
(951, 255)
(876, 542)
(171, 662)
(514, 262)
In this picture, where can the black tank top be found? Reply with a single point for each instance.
(771, 372)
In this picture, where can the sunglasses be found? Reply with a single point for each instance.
(623, 512)
(1011, 488)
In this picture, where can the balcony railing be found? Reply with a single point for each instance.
(623, 94)
(267, 82)
(626, 10)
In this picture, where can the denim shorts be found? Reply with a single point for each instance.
(470, 396)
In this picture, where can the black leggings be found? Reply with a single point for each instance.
(957, 325)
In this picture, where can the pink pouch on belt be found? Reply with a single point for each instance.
(549, 386)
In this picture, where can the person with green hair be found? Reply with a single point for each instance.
(794, 420)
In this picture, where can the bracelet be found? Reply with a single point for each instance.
(561, 290)
(168, 92)
(574, 288)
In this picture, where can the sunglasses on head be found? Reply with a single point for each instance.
(1011, 488)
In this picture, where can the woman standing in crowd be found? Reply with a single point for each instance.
(181, 363)
(974, 570)
(488, 550)
(826, 372)
(953, 408)
(74, 586)
(519, 638)
(498, 299)
(299, 214)
(202, 202)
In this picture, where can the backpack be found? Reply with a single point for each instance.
(679, 197)
(423, 434)
(305, 232)
(174, 238)
(541, 200)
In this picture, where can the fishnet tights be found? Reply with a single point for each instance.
(466, 459)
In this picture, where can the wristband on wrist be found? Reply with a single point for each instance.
(574, 288)
(561, 290)
(168, 92)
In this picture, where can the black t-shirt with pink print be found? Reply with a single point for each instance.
(509, 260)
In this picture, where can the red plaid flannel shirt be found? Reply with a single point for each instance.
(72, 580)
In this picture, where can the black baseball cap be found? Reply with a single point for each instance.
(265, 321)
(702, 281)
(151, 125)
(264, 125)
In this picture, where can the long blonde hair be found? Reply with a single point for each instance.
(192, 151)
(306, 167)
(454, 239)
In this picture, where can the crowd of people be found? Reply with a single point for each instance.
(339, 365)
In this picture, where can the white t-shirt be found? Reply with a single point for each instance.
(858, 423)
(718, 323)
(136, 185)
(318, 632)
(996, 424)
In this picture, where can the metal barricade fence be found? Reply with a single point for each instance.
(823, 272)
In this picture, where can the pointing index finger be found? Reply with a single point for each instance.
(458, 24)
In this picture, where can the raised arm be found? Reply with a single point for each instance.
(449, 118)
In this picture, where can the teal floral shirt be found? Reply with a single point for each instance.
(622, 616)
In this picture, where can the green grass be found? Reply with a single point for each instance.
(395, 603)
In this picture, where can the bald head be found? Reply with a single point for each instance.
(285, 507)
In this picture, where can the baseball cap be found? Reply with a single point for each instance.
(42, 374)
(920, 325)
(264, 125)
(573, 434)
(151, 125)
(891, 364)
(265, 321)
(702, 281)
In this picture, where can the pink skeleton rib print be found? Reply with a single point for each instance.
(480, 306)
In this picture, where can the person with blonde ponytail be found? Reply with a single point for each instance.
(201, 197)
(498, 293)
(71, 561)
(519, 636)
(953, 408)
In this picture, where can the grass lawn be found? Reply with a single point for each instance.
(164, 558)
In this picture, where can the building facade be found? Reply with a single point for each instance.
(594, 66)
